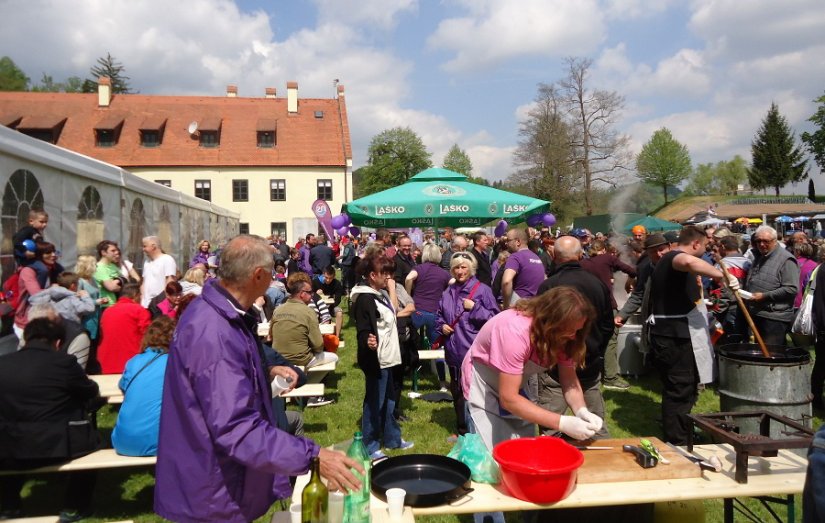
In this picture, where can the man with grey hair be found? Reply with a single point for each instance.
(221, 456)
(569, 272)
(76, 343)
(459, 244)
(774, 281)
(158, 269)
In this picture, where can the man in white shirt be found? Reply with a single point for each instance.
(158, 270)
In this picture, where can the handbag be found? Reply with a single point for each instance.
(804, 322)
(442, 338)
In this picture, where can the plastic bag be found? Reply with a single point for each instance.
(470, 450)
(804, 323)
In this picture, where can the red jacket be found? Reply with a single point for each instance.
(122, 327)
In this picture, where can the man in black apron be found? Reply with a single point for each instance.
(679, 340)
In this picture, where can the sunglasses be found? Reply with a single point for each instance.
(460, 255)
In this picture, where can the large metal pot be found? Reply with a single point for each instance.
(429, 479)
(780, 384)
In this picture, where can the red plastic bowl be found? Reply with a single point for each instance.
(539, 470)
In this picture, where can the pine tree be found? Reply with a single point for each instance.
(109, 67)
(811, 190)
(777, 160)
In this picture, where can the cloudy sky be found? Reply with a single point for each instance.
(455, 71)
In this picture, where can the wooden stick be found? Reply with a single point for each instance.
(747, 314)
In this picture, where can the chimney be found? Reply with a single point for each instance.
(292, 97)
(340, 90)
(270, 92)
(231, 91)
(104, 91)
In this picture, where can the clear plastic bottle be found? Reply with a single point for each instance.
(357, 503)
(314, 497)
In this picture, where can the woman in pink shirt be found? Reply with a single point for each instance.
(533, 336)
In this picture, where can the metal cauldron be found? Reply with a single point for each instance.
(780, 384)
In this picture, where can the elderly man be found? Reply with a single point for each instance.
(523, 271)
(220, 455)
(158, 269)
(569, 272)
(459, 244)
(774, 281)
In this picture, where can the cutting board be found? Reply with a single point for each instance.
(606, 466)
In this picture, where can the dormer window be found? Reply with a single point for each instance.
(210, 132)
(45, 128)
(151, 131)
(107, 131)
(149, 138)
(319, 114)
(267, 137)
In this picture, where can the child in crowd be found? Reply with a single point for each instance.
(27, 237)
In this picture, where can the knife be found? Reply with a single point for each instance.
(712, 464)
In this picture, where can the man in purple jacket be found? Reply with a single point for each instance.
(221, 456)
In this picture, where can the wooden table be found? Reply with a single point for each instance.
(782, 475)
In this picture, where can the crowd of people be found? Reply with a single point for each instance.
(528, 322)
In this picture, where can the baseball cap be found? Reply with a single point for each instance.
(655, 240)
(671, 236)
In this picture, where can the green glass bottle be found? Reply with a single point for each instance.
(314, 497)
(357, 503)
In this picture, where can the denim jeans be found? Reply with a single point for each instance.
(427, 320)
(813, 496)
(377, 422)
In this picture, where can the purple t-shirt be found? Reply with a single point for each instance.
(529, 272)
(429, 286)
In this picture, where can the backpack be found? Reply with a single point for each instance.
(11, 290)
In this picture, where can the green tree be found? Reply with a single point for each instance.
(458, 161)
(12, 78)
(816, 140)
(811, 190)
(395, 155)
(108, 66)
(663, 161)
(777, 160)
(721, 178)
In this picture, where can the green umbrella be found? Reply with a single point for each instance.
(652, 223)
(441, 198)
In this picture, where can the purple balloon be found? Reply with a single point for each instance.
(548, 219)
(355, 231)
(343, 231)
(347, 219)
(532, 221)
(501, 228)
(337, 221)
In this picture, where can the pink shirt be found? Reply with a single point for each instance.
(503, 343)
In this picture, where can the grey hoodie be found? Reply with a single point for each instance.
(67, 303)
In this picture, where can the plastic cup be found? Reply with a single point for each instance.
(279, 384)
(395, 502)
(335, 509)
(295, 513)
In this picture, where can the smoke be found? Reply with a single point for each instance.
(620, 204)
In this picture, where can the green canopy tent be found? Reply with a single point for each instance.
(441, 198)
(653, 224)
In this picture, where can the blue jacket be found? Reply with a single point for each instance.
(136, 430)
(220, 455)
(466, 330)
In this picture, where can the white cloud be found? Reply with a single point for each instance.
(628, 9)
(685, 74)
(495, 30)
(491, 162)
(381, 14)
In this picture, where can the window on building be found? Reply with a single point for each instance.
(278, 228)
(243, 228)
(240, 190)
(203, 190)
(266, 139)
(150, 138)
(105, 138)
(210, 139)
(324, 189)
(165, 183)
(277, 190)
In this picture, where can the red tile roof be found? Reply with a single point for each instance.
(302, 139)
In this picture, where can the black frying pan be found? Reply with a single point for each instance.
(429, 479)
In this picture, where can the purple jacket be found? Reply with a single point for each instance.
(304, 263)
(220, 455)
(452, 303)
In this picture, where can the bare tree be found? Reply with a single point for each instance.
(600, 152)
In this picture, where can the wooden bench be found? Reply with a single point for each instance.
(424, 355)
(99, 459)
(326, 367)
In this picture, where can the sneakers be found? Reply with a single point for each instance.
(318, 401)
(406, 445)
(70, 516)
(377, 455)
(616, 383)
(444, 389)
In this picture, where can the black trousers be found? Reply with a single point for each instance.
(773, 332)
(673, 360)
(80, 486)
(458, 400)
(818, 372)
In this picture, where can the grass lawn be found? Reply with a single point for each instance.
(127, 493)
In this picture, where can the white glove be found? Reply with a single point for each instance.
(733, 281)
(576, 428)
(594, 421)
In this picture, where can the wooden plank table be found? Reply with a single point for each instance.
(782, 475)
